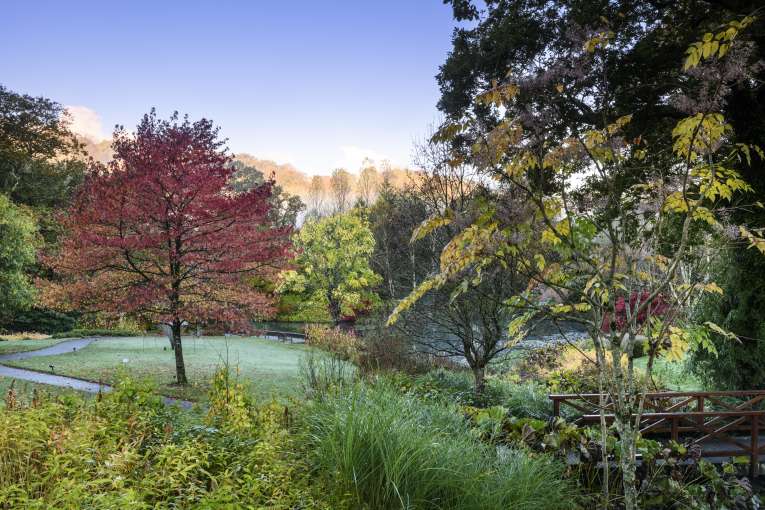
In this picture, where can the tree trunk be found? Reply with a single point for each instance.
(334, 310)
(628, 441)
(180, 366)
(479, 376)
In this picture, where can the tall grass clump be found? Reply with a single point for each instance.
(321, 373)
(392, 451)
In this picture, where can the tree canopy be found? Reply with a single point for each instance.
(41, 161)
(18, 244)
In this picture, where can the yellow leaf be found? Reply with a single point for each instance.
(712, 287)
(582, 307)
(720, 331)
(431, 224)
(540, 261)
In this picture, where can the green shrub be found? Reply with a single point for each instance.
(343, 344)
(457, 386)
(529, 400)
(83, 332)
(522, 399)
(126, 449)
(395, 451)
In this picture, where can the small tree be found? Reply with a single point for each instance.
(333, 264)
(316, 193)
(470, 322)
(340, 188)
(621, 225)
(158, 232)
(368, 183)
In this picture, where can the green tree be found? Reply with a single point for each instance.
(18, 245)
(41, 160)
(401, 264)
(333, 264)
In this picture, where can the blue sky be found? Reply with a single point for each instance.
(315, 83)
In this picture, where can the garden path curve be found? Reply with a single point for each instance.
(61, 381)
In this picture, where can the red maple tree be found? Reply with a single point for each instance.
(158, 232)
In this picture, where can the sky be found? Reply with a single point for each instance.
(319, 84)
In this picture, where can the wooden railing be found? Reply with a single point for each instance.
(282, 336)
(721, 424)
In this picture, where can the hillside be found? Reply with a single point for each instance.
(292, 180)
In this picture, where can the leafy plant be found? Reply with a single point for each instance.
(127, 449)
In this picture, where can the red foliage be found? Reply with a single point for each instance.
(158, 231)
(656, 308)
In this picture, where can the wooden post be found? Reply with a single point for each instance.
(674, 429)
(754, 461)
(556, 407)
(700, 408)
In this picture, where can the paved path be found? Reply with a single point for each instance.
(61, 381)
(60, 348)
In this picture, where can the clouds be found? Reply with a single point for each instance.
(312, 156)
(86, 123)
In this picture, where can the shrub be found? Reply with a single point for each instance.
(230, 405)
(522, 399)
(394, 451)
(40, 320)
(23, 335)
(529, 399)
(126, 449)
(384, 350)
(670, 476)
(78, 333)
(537, 362)
(343, 344)
(584, 379)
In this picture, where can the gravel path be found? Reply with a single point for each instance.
(59, 380)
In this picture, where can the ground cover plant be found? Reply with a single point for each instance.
(270, 367)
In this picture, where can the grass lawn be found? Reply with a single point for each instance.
(270, 368)
(674, 374)
(11, 346)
